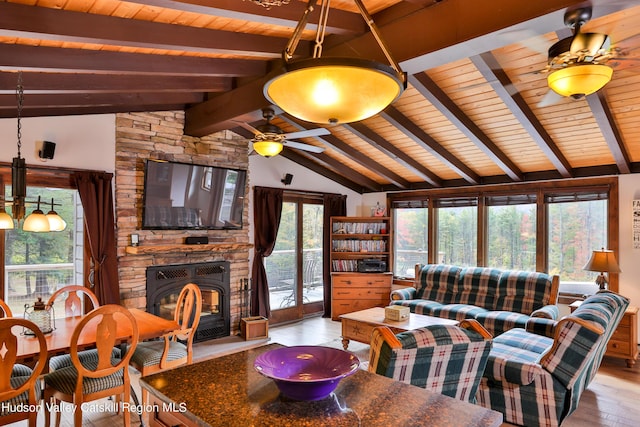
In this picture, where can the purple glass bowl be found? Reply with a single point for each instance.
(306, 372)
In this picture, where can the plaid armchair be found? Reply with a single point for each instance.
(535, 380)
(446, 359)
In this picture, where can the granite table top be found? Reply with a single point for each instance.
(227, 391)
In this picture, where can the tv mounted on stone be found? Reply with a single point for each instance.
(180, 196)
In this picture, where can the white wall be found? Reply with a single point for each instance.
(628, 258)
(82, 142)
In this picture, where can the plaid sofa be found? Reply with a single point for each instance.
(445, 359)
(499, 299)
(536, 380)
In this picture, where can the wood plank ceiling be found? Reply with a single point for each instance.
(476, 110)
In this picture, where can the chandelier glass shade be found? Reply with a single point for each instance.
(267, 148)
(334, 90)
(328, 90)
(579, 80)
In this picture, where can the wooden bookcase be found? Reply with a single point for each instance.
(358, 242)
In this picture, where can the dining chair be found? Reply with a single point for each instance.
(445, 359)
(175, 348)
(73, 303)
(95, 379)
(19, 384)
(73, 306)
(5, 311)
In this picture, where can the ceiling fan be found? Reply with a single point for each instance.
(269, 139)
(582, 63)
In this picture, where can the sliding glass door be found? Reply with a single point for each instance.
(294, 269)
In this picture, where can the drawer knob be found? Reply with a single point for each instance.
(615, 345)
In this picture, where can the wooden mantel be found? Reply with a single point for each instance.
(183, 248)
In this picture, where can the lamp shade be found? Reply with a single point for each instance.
(6, 222)
(334, 90)
(267, 148)
(602, 261)
(37, 221)
(579, 80)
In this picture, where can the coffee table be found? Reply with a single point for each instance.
(359, 325)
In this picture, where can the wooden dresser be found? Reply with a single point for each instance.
(624, 341)
(358, 291)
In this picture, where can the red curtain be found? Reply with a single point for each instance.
(99, 222)
(334, 205)
(267, 210)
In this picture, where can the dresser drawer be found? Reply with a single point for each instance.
(370, 293)
(362, 280)
(622, 333)
(621, 348)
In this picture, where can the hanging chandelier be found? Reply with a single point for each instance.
(334, 90)
(37, 221)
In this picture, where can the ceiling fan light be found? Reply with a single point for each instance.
(579, 80)
(334, 90)
(267, 148)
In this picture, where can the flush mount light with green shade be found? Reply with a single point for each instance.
(37, 221)
(334, 90)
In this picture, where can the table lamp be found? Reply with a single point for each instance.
(602, 261)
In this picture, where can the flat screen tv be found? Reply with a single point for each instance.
(181, 196)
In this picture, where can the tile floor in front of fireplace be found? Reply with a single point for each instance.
(312, 331)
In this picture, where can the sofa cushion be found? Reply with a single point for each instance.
(523, 291)
(419, 306)
(477, 286)
(515, 357)
(498, 322)
(457, 311)
(441, 279)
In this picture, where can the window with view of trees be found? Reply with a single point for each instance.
(511, 232)
(551, 226)
(36, 264)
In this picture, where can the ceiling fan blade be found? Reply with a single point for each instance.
(307, 133)
(248, 127)
(550, 98)
(304, 147)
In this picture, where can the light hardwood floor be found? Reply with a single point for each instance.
(611, 400)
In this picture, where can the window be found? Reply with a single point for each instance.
(577, 226)
(457, 231)
(410, 237)
(37, 264)
(550, 226)
(511, 232)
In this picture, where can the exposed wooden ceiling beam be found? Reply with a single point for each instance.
(18, 20)
(82, 110)
(420, 137)
(40, 82)
(490, 69)
(302, 160)
(341, 22)
(452, 112)
(604, 117)
(99, 99)
(393, 152)
(40, 58)
(354, 155)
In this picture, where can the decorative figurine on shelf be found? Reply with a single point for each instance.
(379, 210)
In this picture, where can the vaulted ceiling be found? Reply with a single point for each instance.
(477, 109)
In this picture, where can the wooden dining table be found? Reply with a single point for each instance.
(59, 340)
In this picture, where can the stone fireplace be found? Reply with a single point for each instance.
(159, 135)
(164, 284)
